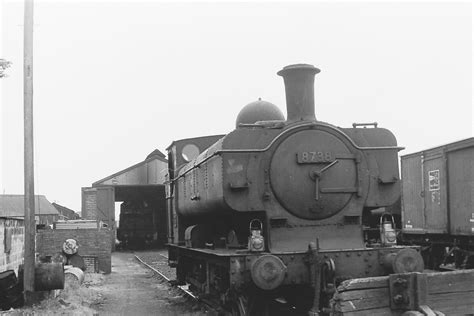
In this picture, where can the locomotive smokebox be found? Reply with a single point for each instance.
(299, 88)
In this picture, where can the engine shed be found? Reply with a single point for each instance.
(141, 191)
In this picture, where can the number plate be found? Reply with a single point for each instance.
(314, 157)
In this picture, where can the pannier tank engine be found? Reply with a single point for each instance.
(274, 210)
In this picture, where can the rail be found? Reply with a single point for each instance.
(181, 287)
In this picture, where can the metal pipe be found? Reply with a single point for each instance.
(315, 262)
(299, 89)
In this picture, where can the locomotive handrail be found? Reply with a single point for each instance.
(374, 124)
(256, 150)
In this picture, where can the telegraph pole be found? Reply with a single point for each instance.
(30, 224)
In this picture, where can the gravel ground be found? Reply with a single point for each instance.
(131, 289)
(72, 300)
(158, 259)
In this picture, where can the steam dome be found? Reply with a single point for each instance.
(259, 111)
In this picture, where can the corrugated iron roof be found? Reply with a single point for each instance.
(158, 153)
(13, 205)
(154, 155)
(62, 210)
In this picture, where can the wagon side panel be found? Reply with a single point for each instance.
(461, 191)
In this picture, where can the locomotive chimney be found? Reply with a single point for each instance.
(299, 88)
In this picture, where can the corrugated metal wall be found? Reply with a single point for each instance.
(12, 240)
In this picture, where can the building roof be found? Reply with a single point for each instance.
(66, 211)
(155, 155)
(13, 205)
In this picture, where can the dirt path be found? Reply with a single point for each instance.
(131, 289)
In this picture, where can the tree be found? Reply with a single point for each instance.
(4, 64)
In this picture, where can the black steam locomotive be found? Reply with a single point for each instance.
(136, 226)
(274, 210)
(141, 222)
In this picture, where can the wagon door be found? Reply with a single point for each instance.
(412, 195)
(435, 194)
(461, 191)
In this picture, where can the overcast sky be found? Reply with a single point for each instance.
(115, 80)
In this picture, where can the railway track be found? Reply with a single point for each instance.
(157, 261)
(167, 276)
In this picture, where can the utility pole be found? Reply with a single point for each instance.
(30, 223)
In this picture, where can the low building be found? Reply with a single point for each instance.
(13, 206)
(65, 213)
(141, 183)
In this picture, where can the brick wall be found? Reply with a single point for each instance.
(12, 236)
(89, 203)
(47, 219)
(92, 242)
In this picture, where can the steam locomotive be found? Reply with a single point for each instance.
(142, 221)
(275, 210)
(136, 226)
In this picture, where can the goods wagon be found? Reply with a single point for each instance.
(438, 204)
